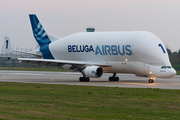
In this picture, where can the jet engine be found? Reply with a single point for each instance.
(93, 71)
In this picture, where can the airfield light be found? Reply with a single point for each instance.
(126, 60)
(152, 77)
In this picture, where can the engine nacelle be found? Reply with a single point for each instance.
(93, 71)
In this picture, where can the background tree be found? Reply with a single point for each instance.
(174, 59)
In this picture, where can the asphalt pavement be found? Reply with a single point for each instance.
(69, 78)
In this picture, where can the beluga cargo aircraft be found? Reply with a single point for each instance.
(94, 53)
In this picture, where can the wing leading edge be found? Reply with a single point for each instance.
(60, 63)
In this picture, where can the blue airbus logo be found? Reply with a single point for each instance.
(113, 50)
(102, 50)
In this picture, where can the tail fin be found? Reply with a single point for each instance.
(39, 33)
(7, 45)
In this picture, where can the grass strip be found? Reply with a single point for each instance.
(68, 102)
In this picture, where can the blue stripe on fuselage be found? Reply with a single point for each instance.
(46, 53)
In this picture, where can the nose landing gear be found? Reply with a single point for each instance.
(151, 80)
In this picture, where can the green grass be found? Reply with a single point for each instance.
(33, 69)
(42, 101)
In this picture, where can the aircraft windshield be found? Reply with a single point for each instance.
(164, 67)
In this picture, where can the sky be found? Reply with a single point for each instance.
(65, 17)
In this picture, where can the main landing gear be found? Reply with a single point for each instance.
(114, 78)
(84, 78)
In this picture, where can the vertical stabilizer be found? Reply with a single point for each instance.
(41, 37)
(7, 45)
(38, 31)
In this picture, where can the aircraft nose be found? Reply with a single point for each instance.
(172, 72)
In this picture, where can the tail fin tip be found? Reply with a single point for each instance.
(38, 31)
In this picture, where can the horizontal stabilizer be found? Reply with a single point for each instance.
(30, 53)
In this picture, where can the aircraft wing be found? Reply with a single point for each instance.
(60, 63)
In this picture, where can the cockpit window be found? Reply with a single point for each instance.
(164, 67)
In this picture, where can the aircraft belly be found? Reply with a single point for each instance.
(126, 67)
(119, 67)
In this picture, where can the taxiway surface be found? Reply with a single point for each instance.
(68, 78)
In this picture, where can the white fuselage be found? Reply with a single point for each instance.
(138, 52)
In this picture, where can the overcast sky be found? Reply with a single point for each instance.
(64, 17)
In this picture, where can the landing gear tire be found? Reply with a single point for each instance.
(116, 78)
(150, 80)
(113, 78)
(110, 79)
(84, 79)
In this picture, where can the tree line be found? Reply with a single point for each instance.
(174, 58)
